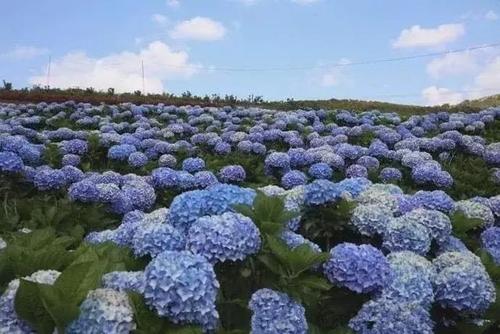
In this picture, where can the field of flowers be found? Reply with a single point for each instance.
(163, 219)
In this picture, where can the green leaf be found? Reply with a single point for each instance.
(29, 306)
(313, 282)
(78, 279)
(147, 320)
(56, 304)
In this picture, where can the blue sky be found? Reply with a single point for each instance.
(190, 44)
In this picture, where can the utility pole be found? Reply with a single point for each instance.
(48, 72)
(143, 85)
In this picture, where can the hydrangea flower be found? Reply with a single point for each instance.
(104, 311)
(472, 209)
(276, 313)
(230, 236)
(320, 192)
(187, 207)
(386, 316)
(490, 239)
(232, 173)
(464, 287)
(413, 279)
(154, 238)
(49, 179)
(193, 165)
(437, 223)
(434, 200)
(70, 160)
(205, 179)
(293, 178)
(167, 160)
(371, 219)
(294, 240)
(183, 287)
(406, 234)
(355, 170)
(124, 281)
(84, 191)
(320, 170)
(121, 152)
(137, 159)
(9, 320)
(389, 174)
(362, 268)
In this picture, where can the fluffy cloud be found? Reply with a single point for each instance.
(198, 28)
(491, 16)
(416, 36)
(160, 19)
(305, 2)
(24, 52)
(452, 64)
(173, 3)
(334, 75)
(121, 71)
(437, 95)
(488, 80)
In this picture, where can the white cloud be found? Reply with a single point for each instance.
(416, 36)
(121, 71)
(334, 75)
(198, 28)
(452, 64)
(437, 95)
(491, 16)
(305, 2)
(173, 3)
(24, 52)
(160, 19)
(487, 82)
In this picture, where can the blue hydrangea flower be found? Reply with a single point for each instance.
(293, 178)
(354, 186)
(355, 170)
(70, 160)
(490, 239)
(167, 160)
(371, 219)
(320, 170)
(107, 192)
(277, 161)
(464, 287)
(124, 281)
(104, 311)
(10, 162)
(121, 152)
(451, 244)
(183, 287)
(205, 179)
(389, 174)
(222, 148)
(413, 279)
(137, 159)
(437, 223)
(83, 191)
(187, 207)
(362, 269)
(193, 165)
(434, 200)
(472, 209)
(232, 173)
(294, 240)
(74, 146)
(370, 163)
(385, 316)
(9, 320)
(49, 179)
(320, 192)
(276, 313)
(72, 174)
(405, 234)
(218, 238)
(153, 238)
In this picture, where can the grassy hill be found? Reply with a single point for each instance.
(484, 102)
